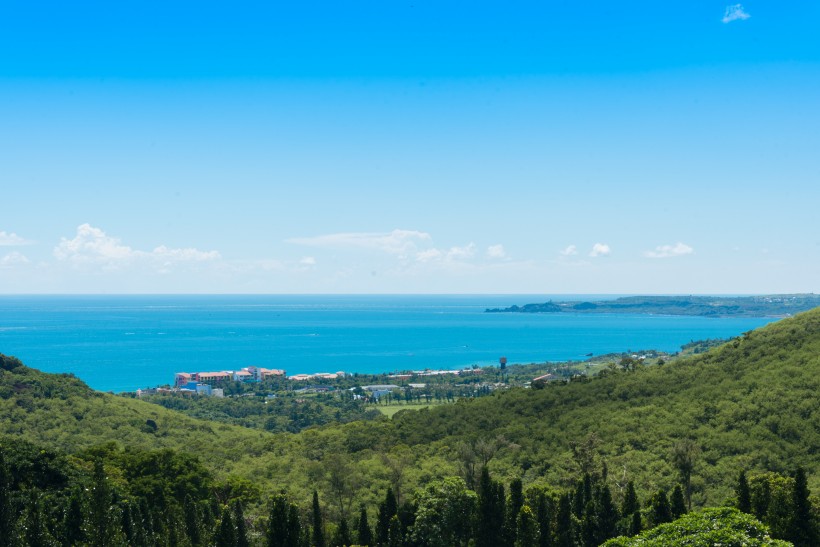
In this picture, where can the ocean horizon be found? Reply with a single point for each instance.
(124, 342)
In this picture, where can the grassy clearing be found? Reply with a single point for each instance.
(390, 410)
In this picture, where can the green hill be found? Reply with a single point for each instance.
(750, 404)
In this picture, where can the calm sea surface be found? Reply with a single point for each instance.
(120, 343)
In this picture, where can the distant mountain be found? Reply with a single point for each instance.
(776, 305)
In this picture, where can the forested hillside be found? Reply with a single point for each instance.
(750, 405)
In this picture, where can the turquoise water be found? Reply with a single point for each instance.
(119, 343)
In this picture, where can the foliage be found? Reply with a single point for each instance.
(723, 526)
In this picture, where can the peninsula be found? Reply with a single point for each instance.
(777, 305)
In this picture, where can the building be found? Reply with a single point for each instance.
(212, 377)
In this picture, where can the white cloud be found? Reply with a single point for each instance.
(93, 246)
(600, 249)
(496, 252)
(735, 13)
(307, 261)
(570, 251)
(429, 255)
(667, 251)
(13, 259)
(453, 254)
(397, 242)
(461, 253)
(10, 239)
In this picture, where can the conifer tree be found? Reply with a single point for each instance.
(744, 498)
(387, 510)
(526, 528)
(225, 535)
(35, 529)
(491, 511)
(589, 526)
(659, 509)
(543, 514)
(128, 527)
(284, 528)
(102, 515)
(394, 535)
(318, 537)
(579, 501)
(677, 504)
(74, 521)
(193, 520)
(607, 514)
(802, 531)
(342, 538)
(630, 503)
(514, 504)
(8, 512)
(240, 525)
(635, 524)
(564, 533)
(149, 532)
(365, 535)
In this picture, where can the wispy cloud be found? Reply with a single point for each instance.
(668, 251)
(453, 254)
(496, 252)
(92, 245)
(10, 239)
(571, 250)
(13, 259)
(735, 12)
(600, 249)
(397, 242)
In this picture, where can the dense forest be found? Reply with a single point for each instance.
(561, 463)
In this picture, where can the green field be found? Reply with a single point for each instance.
(390, 410)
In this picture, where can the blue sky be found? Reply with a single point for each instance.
(409, 147)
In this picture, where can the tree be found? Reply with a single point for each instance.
(342, 537)
(73, 521)
(394, 535)
(677, 503)
(225, 535)
(387, 510)
(193, 520)
(714, 526)
(607, 514)
(543, 514)
(630, 503)
(7, 510)
(365, 535)
(744, 498)
(342, 482)
(526, 528)
(35, 529)
(802, 530)
(284, 528)
(514, 504)
(240, 525)
(635, 524)
(318, 525)
(445, 515)
(564, 536)
(102, 514)
(491, 511)
(659, 509)
(684, 456)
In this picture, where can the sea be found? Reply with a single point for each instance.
(121, 343)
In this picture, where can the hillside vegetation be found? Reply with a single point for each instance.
(748, 405)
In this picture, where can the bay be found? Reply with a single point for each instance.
(121, 343)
